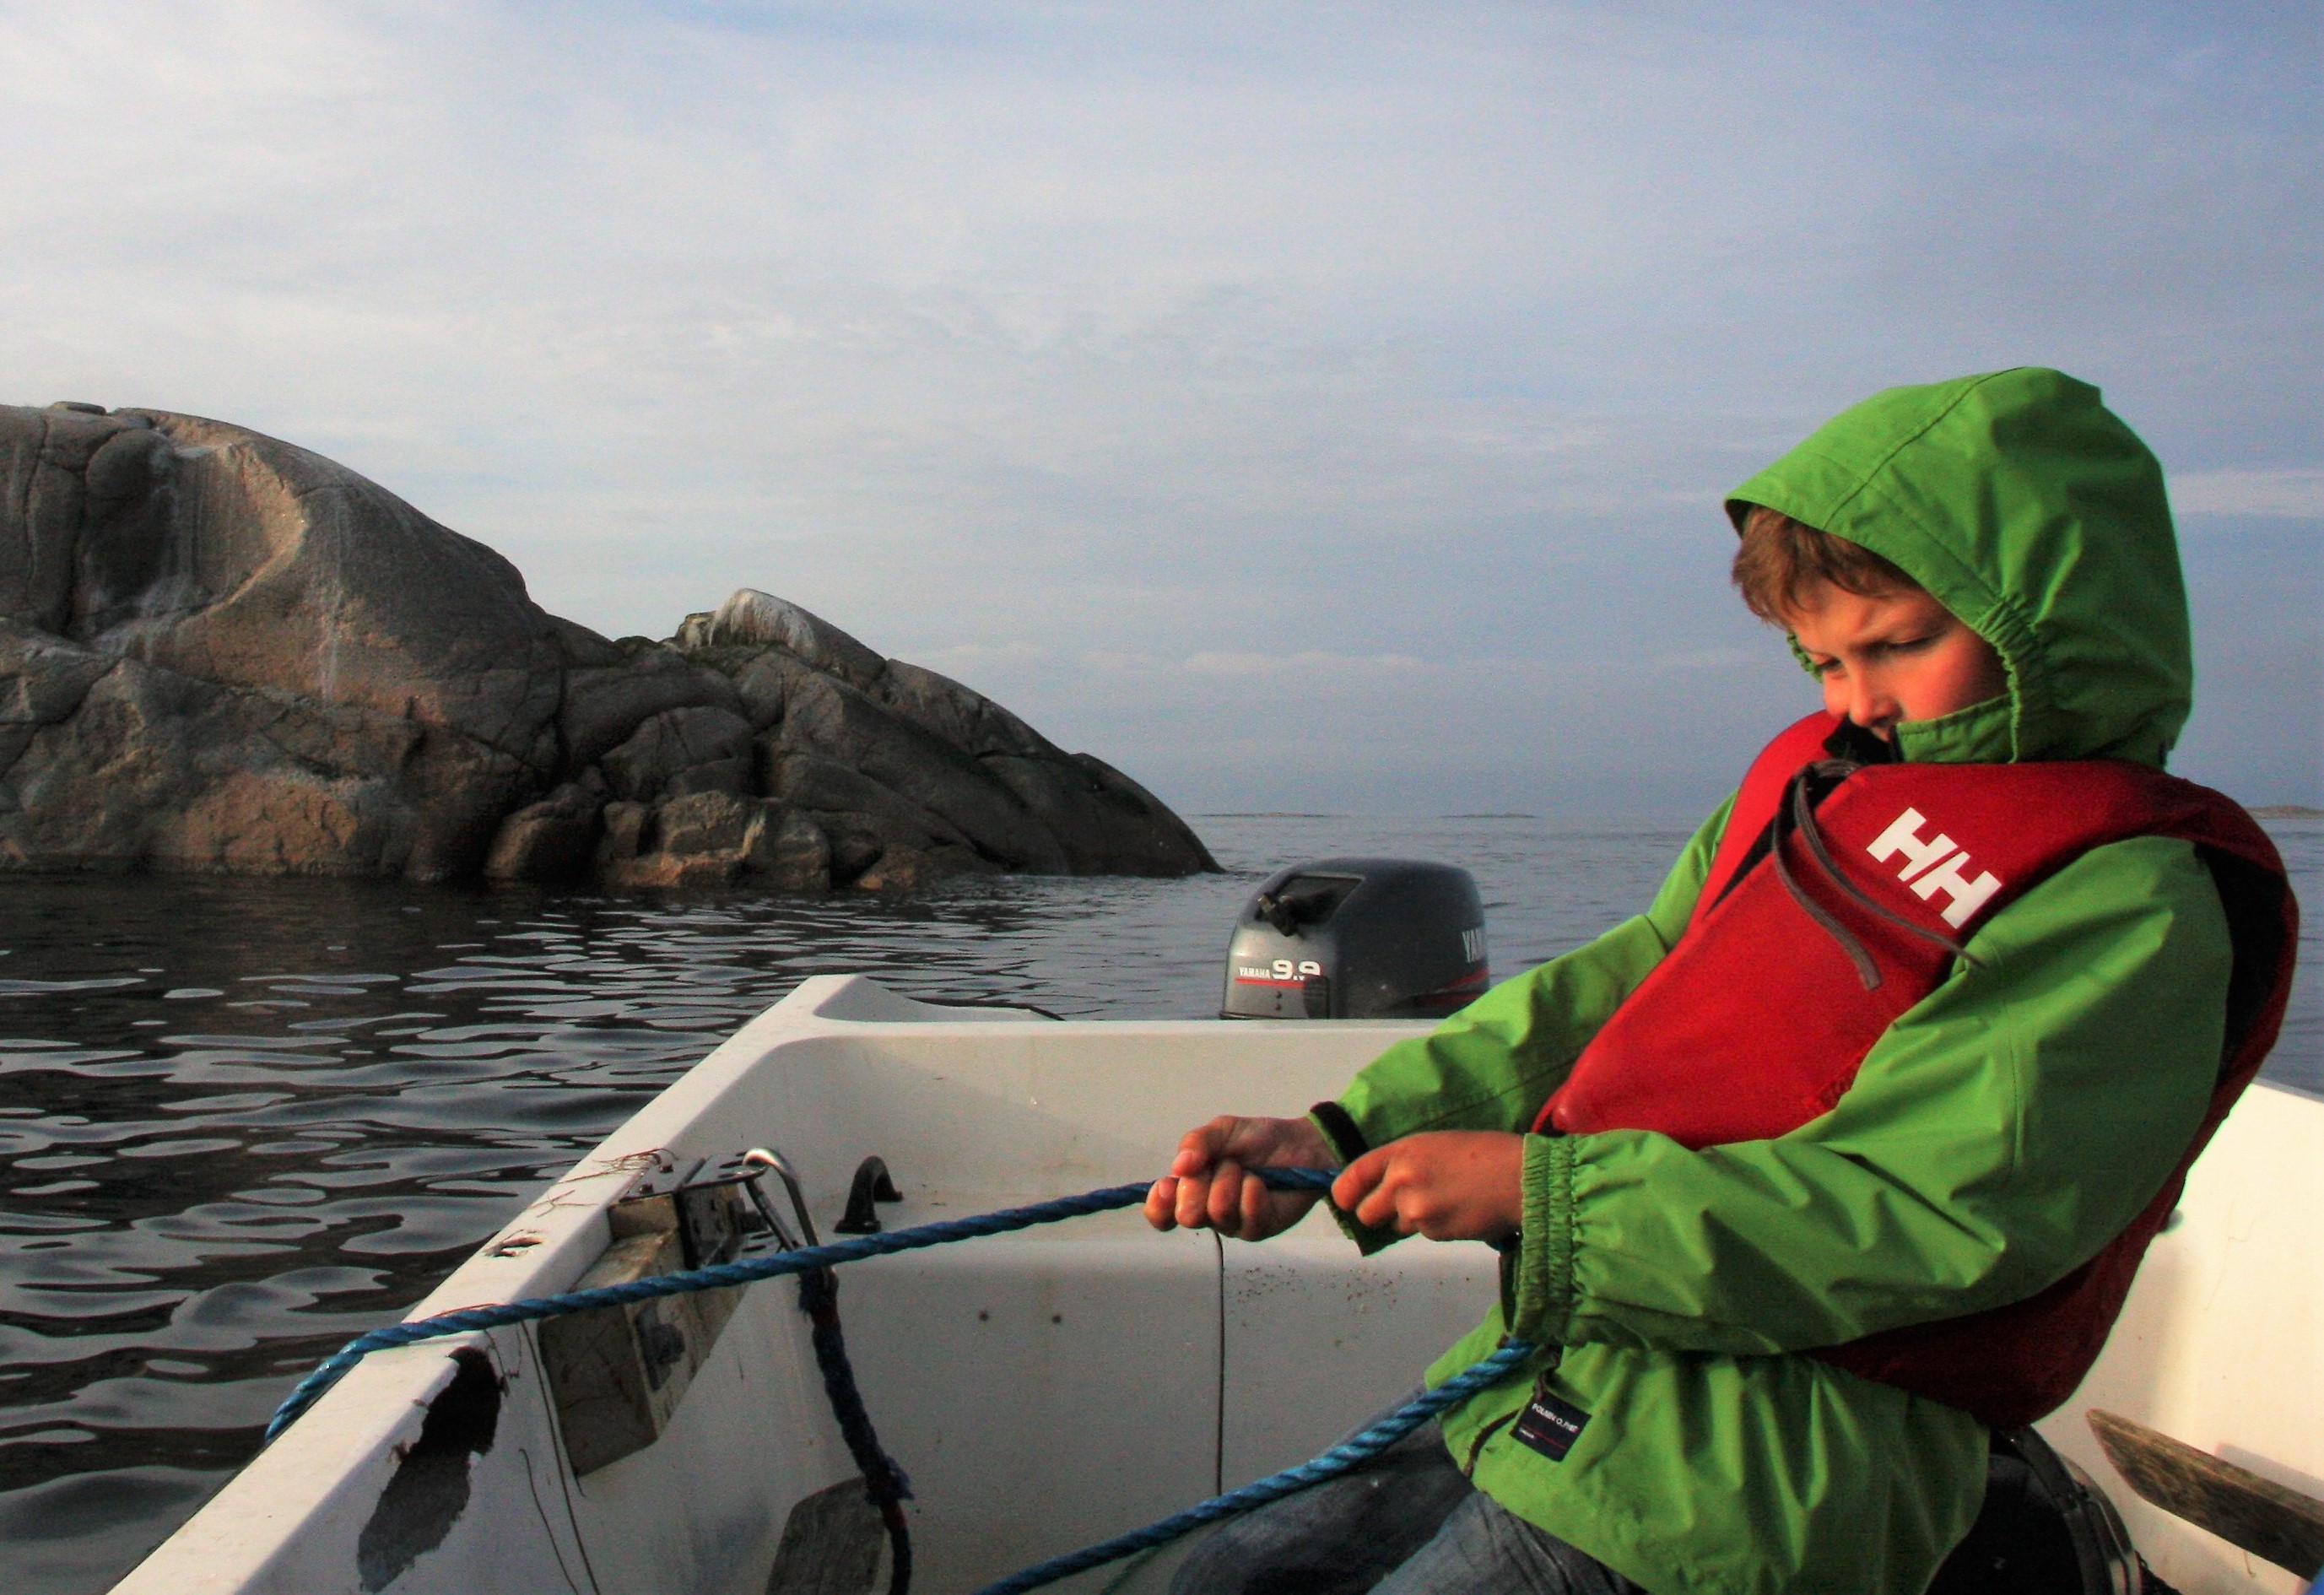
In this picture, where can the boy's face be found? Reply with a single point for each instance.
(1887, 657)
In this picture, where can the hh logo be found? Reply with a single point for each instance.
(1933, 866)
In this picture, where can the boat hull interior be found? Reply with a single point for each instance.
(1049, 1388)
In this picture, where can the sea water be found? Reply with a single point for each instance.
(242, 1122)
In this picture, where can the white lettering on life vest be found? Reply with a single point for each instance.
(1904, 835)
(1937, 866)
(1968, 896)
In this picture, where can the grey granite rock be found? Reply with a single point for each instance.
(154, 770)
(753, 619)
(605, 704)
(682, 751)
(829, 719)
(555, 839)
(787, 849)
(222, 653)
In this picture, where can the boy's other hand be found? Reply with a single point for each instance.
(1448, 1184)
(1208, 1185)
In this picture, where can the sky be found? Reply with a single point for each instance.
(1320, 406)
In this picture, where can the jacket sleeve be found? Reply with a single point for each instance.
(1491, 1066)
(2001, 1132)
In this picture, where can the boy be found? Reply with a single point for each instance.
(1847, 1149)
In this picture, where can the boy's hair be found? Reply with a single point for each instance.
(1781, 558)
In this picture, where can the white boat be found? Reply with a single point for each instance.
(1050, 1389)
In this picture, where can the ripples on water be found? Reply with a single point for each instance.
(242, 1122)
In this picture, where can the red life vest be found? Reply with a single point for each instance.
(1757, 1019)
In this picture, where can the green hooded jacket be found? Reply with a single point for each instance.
(2001, 1131)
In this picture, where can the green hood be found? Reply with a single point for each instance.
(2031, 512)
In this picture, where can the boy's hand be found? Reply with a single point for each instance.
(1207, 1184)
(1448, 1184)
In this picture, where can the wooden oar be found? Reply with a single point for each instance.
(2264, 1518)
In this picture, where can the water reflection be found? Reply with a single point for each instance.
(242, 1122)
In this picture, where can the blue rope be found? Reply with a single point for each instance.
(884, 1481)
(1357, 1448)
(499, 1315)
(813, 1259)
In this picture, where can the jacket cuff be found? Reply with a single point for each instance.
(1347, 1140)
(1340, 1128)
(1544, 1297)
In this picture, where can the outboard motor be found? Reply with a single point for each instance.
(1358, 939)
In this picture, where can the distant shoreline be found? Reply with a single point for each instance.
(2264, 811)
(1294, 814)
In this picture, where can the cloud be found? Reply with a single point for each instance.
(1307, 663)
(2297, 492)
(971, 655)
(1707, 659)
(1111, 356)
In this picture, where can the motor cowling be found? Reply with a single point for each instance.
(1357, 938)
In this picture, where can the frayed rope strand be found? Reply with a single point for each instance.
(1358, 1448)
(468, 1320)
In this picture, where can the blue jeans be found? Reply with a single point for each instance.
(1407, 1523)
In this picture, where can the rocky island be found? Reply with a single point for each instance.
(222, 653)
